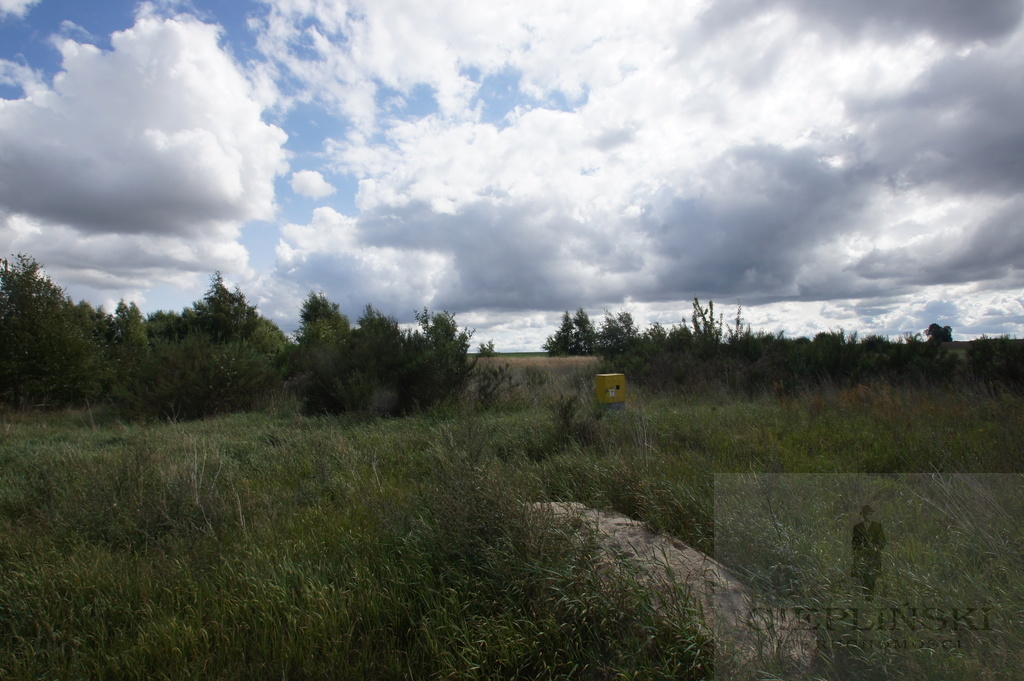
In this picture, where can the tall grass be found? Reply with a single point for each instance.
(270, 545)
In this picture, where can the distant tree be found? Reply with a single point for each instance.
(436, 362)
(127, 345)
(321, 322)
(380, 367)
(939, 334)
(618, 334)
(707, 331)
(223, 316)
(487, 349)
(219, 355)
(559, 343)
(575, 336)
(128, 327)
(584, 336)
(165, 325)
(268, 339)
(47, 352)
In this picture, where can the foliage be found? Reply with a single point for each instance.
(575, 336)
(708, 355)
(217, 356)
(939, 334)
(195, 378)
(381, 368)
(486, 349)
(707, 331)
(618, 335)
(321, 322)
(266, 545)
(997, 360)
(165, 325)
(223, 316)
(48, 353)
(128, 327)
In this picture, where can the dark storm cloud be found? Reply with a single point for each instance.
(767, 208)
(992, 251)
(956, 21)
(959, 126)
(509, 256)
(124, 195)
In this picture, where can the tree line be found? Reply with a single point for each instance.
(220, 354)
(708, 352)
(217, 355)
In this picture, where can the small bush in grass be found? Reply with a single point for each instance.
(195, 377)
(381, 368)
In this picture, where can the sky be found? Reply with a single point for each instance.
(823, 164)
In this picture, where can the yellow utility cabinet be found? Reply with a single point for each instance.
(611, 390)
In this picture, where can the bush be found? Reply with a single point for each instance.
(999, 360)
(47, 352)
(195, 378)
(377, 367)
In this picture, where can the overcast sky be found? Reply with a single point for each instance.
(826, 164)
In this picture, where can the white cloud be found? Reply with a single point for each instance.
(644, 156)
(327, 254)
(17, 8)
(157, 143)
(827, 166)
(312, 184)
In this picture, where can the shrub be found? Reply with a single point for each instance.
(378, 367)
(195, 377)
(47, 352)
(487, 349)
(999, 360)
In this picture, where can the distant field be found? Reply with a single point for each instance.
(538, 359)
(518, 354)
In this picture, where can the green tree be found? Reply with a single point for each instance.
(618, 334)
(575, 336)
(128, 327)
(583, 339)
(707, 331)
(47, 354)
(223, 316)
(165, 325)
(486, 349)
(939, 334)
(127, 344)
(437, 365)
(381, 368)
(559, 343)
(268, 339)
(321, 322)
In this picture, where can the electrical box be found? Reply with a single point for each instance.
(611, 389)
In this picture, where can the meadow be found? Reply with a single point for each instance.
(279, 545)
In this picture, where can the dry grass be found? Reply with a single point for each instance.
(547, 363)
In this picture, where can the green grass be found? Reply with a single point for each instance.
(275, 545)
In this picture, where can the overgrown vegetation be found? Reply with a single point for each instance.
(217, 356)
(707, 354)
(274, 544)
(285, 535)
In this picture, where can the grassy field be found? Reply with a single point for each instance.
(275, 545)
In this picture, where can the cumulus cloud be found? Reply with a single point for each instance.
(646, 159)
(17, 8)
(826, 163)
(950, 20)
(158, 142)
(327, 255)
(312, 184)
